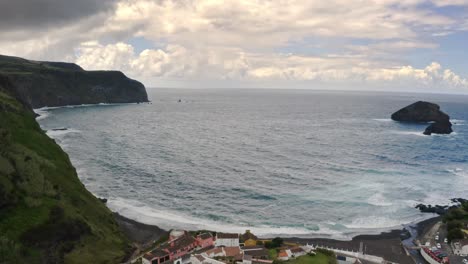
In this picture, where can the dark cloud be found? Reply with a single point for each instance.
(32, 14)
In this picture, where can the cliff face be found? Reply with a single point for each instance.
(58, 84)
(46, 214)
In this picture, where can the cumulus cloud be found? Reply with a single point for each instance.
(333, 41)
(175, 61)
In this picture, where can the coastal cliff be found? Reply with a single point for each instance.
(50, 84)
(46, 214)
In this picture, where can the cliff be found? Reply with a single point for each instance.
(46, 214)
(423, 112)
(57, 84)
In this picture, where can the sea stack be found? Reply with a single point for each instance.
(424, 112)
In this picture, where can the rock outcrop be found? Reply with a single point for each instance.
(50, 84)
(424, 112)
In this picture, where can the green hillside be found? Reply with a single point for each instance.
(46, 214)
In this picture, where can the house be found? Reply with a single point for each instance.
(249, 239)
(297, 252)
(200, 259)
(156, 256)
(215, 252)
(180, 246)
(460, 247)
(205, 240)
(257, 252)
(232, 251)
(227, 240)
(283, 255)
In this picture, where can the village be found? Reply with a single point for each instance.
(183, 247)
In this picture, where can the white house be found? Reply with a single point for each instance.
(297, 252)
(460, 247)
(227, 240)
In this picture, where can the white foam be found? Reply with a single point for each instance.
(378, 199)
(458, 122)
(171, 220)
(410, 133)
(61, 133)
(42, 113)
(46, 108)
(458, 172)
(383, 223)
(383, 119)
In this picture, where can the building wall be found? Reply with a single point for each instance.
(204, 243)
(250, 242)
(227, 242)
(464, 250)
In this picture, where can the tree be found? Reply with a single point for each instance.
(455, 234)
(454, 224)
(277, 241)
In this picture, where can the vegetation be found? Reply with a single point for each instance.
(46, 214)
(274, 243)
(456, 219)
(319, 258)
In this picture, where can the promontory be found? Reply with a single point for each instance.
(42, 84)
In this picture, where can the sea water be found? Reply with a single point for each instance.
(277, 162)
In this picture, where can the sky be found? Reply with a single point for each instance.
(391, 45)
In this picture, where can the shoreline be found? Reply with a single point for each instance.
(389, 245)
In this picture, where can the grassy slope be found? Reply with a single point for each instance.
(46, 214)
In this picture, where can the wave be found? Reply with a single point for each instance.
(458, 122)
(170, 220)
(369, 223)
(383, 119)
(410, 133)
(378, 200)
(59, 133)
(458, 172)
(43, 113)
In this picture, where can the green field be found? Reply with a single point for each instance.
(317, 259)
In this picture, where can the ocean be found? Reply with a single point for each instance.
(278, 162)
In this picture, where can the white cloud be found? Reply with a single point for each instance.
(176, 61)
(335, 41)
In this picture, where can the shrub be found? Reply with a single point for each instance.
(455, 234)
(454, 224)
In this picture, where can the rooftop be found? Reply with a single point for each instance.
(205, 236)
(227, 236)
(180, 242)
(296, 250)
(232, 251)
